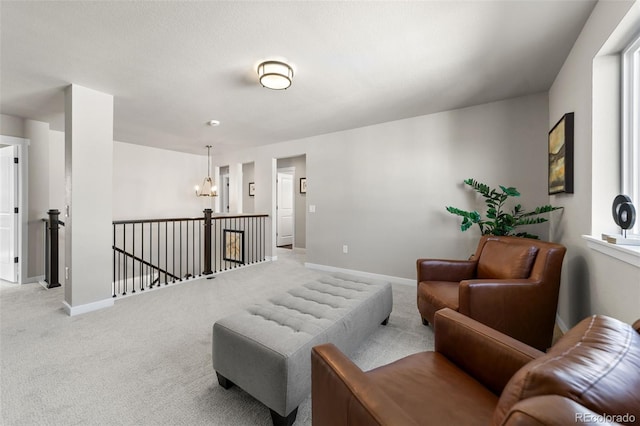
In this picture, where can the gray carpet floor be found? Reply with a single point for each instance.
(147, 360)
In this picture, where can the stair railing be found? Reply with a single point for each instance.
(149, 253)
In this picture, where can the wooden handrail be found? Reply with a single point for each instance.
(184, 219)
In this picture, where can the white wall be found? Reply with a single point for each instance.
(248, 175)
(38, 134)
(11, 126)
(592, 282)
(150, 183)
(382, 190)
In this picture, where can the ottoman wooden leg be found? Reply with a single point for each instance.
(279, 420)
(223, 381)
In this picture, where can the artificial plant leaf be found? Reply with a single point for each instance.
(510, 191)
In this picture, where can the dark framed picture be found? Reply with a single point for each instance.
(303, 185)
(561, 156)
(233, 245)
(252, 189)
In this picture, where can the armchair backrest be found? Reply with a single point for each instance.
(518, 258)
(595, 364)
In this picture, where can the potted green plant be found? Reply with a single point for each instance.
(499, 221)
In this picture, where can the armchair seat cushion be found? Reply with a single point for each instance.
(413, 380)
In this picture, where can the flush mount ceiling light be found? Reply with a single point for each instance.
(209, 188)
(275, 75)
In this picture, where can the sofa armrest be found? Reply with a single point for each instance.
(552, 410)
(342, 394)
(445, 270)
(484, 353)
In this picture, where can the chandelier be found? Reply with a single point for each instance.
(209, 189)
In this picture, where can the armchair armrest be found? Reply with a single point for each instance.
(475, 294)
(342, 394)
(484, 353)
(522, 308)
(552, 410)
(445, 270)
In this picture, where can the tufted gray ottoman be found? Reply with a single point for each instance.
(266, 349)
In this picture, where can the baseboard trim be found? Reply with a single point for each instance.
(31, 280)
(271, 258)
(561, 324)
(88, 307)
(391, 279)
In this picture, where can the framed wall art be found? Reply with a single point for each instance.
(561, 156)
(252, 189)
(303, 185)
(233, 246)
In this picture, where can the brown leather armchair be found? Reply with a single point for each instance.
(510, 284)
(478, 376)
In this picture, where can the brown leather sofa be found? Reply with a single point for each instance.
(510, 284)
(478, 376)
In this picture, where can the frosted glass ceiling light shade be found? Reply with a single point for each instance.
(275, 75)
(209, 188)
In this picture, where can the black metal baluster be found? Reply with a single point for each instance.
(142, 257)
(193, 248)
(113, 283)
(173, 248)
(150, 270)
(133, 259)
(124, 246)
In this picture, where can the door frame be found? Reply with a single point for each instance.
(23, 201)
(287, 171)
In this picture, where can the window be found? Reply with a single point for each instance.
(631, 125)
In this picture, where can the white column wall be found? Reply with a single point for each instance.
(89, 194)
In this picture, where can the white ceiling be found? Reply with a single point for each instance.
(172, 66)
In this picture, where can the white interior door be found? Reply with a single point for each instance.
(285, 217)
(8, 216)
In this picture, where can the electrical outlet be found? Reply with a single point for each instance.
(312, 208)
(345, 249)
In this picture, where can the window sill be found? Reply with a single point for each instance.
(624, 253)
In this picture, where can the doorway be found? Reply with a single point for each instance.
(224, 189)
(285, 208)
(12, 207)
